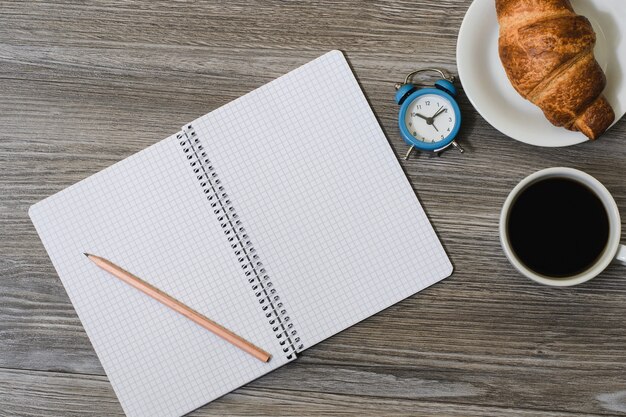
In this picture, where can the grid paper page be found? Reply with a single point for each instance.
(148, 214)
(332, 215)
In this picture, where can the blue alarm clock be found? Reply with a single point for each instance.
(429, 118)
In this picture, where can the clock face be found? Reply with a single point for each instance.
(430, 118)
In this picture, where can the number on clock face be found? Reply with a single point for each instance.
(430, 118)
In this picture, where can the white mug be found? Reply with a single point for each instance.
(613, 250)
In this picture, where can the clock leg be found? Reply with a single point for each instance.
(456, 145)
(408, 153)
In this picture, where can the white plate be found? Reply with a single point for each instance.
(488, 88)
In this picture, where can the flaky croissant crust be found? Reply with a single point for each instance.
(547, 52)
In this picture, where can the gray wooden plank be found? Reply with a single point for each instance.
(84, 85)
(37, 393)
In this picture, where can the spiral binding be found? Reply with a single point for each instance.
(239, 241)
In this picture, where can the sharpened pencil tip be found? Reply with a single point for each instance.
(86, 254)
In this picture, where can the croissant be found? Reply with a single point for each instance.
(547, 52)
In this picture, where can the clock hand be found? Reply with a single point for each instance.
(441, 110)
(423, 117)
(433, 125)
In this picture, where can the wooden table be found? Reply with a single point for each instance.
(85, 85)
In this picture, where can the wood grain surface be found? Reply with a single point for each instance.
(85, 84)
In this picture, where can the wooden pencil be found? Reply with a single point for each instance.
(179, 307)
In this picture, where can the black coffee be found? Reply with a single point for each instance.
(558, 227)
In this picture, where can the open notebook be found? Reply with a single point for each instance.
(283, 215)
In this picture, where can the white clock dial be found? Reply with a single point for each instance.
(430, 118)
